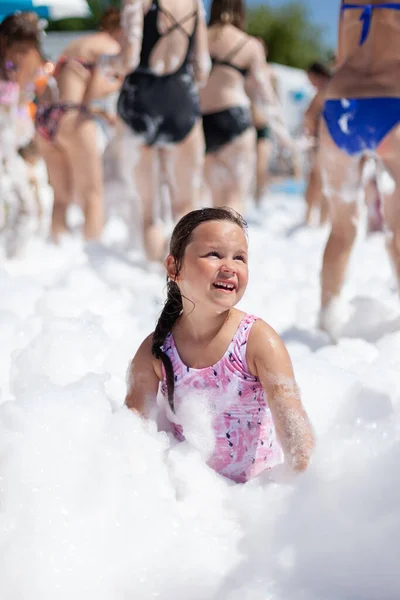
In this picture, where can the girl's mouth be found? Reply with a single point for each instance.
(224, 286)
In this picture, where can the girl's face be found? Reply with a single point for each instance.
(24, 62)
(214, 272)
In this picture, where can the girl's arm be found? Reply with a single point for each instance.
(143, 378)
(268, 359)
(258, 84)
(201, 58)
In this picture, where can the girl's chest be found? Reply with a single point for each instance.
(203, 356)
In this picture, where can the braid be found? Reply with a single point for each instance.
(171, 312)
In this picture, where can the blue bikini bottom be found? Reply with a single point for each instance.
(358, 125)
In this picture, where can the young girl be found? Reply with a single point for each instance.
(19, 58)
(239, 364)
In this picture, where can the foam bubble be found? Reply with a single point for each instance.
(95, 502)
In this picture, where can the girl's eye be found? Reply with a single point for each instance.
(214, 253)
(240, 257)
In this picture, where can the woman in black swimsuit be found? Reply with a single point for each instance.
(160, 137)
(238, 66)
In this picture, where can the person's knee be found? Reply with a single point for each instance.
(344, 231)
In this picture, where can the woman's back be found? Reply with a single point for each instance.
(175, 27)
(165, 39)
(75, 67)
(159, 97)
(234, 55)
(368, 50)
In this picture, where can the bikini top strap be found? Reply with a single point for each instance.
(236, 49)
(366, 14)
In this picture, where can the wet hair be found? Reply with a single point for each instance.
(110, 20)
(18, 29)
(228, 11)
(319, 69)
(173, 307)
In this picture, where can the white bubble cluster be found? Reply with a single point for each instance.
(96, 504)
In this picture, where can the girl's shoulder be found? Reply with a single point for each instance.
(145, 354)
(262, 331)
(263, 343)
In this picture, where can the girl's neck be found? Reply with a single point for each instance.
(199, 327)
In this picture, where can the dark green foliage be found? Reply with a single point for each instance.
(75, 24)
(288, 31)
(291, 37)
(97, 7)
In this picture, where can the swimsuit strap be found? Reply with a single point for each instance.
(237, 347)
(227, 60)
(366, 15)
(243, 331)
(151, 35)
(236, 49)
(177, 24)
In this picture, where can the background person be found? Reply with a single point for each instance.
(159, 141)
(66, 130)
(361, 117)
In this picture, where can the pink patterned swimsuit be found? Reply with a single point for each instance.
(245, 437)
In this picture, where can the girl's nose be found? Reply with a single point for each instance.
(228, 267)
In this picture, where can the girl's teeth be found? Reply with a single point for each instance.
(224, 287)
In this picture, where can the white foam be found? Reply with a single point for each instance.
(96, 504)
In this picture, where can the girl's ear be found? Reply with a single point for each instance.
(170, 266)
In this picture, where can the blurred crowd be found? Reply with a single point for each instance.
(152, 115)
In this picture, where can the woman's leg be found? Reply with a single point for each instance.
(60, 179)
(148, 181)
(389, 189)
(229, 171)
(315, 199)
(122, 196)
(264, 151)
(87, 168)
(185, 172)
(342, 186)
(139, 174)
